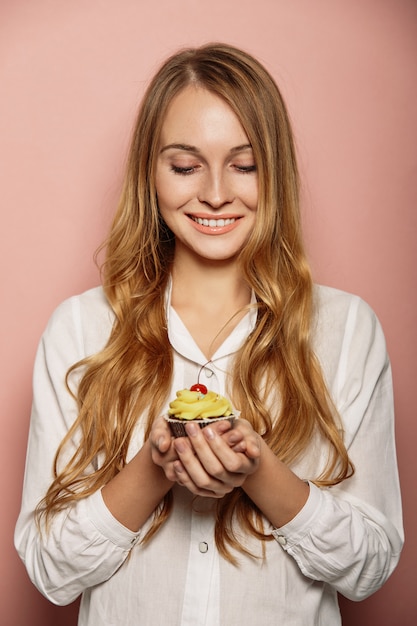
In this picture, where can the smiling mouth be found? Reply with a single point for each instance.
(213, 223)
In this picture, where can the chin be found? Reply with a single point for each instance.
(220, 257)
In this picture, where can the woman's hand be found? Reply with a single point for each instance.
(212, 462)
(209, 462)
(162, 451)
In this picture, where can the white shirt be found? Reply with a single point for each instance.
(346, 539)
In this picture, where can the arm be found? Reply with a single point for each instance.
(134, 493)
(210, 465)
(85, 543)
(349, 536)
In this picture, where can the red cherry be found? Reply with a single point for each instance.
(199, 387)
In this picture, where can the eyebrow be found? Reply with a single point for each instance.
(195, 150)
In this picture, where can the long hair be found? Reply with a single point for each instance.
(276, 380)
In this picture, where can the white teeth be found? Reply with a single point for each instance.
(214, 223)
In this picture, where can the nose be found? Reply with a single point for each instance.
(215, 190)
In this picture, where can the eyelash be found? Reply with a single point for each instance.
(186, 171)
(246, 169)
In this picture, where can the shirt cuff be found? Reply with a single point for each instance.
(293, 532)
(107, 525)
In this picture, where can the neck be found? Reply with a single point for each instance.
(211, 298)
(199, 280)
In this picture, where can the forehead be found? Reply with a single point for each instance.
(199, 113)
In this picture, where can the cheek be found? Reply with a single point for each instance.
(165, 210)
(159, 186)
(173, 195)
(250, 195)
(253, 200)
(165, 199)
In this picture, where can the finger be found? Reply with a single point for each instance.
(200, 470)
(253, 448)
(217, 489)
(233, 438)
(244, 433)
(216, 457)
(222, 426)
(234, 459)
(160, 436)
(239, 447)
(201, 443)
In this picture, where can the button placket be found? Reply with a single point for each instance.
(200, 564)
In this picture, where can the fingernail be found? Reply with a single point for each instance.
(192, 430)
(209, 432)
(179, 445)
(178, 468)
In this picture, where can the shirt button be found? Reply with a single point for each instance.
(208, 373)
(281, 540)
(203, 547)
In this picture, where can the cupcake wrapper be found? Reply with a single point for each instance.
(178, 426)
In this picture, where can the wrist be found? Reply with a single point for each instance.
(275, 489)
(134, 493)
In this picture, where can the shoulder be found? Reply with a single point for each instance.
(346, 330)
(339, 309)
(84, 319)
(330, 298)
(90, 306)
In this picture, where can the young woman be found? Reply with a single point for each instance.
(205, 276)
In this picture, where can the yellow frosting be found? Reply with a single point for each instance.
(190, 405)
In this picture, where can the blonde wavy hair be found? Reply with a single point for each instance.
(131, 377)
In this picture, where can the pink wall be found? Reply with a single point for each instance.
(71, 74)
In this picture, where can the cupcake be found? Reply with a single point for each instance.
(200, 406)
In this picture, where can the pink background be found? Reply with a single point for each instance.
(71, 75)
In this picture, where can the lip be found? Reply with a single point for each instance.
(217, 216)
(214, 230)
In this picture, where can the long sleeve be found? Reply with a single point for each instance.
(351, 535)
(347, 538)
(84, 544)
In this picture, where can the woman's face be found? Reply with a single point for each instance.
(206, 179)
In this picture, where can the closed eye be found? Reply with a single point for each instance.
(245, 169)
(184, 171)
